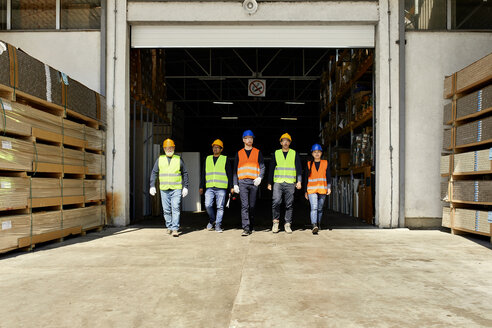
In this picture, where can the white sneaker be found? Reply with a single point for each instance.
(287, 228)
(275, 226)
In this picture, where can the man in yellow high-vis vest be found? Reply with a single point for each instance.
(173, 184)
(286, 175)
(216, 179)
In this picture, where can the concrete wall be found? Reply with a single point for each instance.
(429, 57)
(76, 53)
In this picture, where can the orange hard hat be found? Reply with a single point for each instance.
(168, 143)
(219, 143)
(286, 136)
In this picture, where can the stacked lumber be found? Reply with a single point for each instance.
(52, 154)
(467, 137)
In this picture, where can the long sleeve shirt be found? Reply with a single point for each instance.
(273, 164)
(155, 173)
(228, 173)
(236, 163)
(307, 172)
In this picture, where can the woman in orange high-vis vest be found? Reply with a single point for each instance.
(318, 185)
(248, 172)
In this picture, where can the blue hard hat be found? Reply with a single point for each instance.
(248, 133)
(316, 147)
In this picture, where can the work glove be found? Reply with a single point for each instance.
(152, 191)
(257, 181)
(184, 193)
(236, 189)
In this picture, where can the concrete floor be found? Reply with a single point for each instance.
(140, 277)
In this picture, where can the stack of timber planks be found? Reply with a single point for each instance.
(466, 161)
(52, 154)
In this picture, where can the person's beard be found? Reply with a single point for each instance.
(169, 153)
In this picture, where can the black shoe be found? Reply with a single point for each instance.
(315, 229)
(246, 233)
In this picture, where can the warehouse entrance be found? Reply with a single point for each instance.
(197, 95)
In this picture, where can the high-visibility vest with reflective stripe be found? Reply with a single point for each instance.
(170, 173)
(285, 171)
(248, 167)
(317, 183)
(215, 174)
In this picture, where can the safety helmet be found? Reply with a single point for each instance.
(219, 143)
(248, 133)
(316, 147)
(286, 136)
(168, 143)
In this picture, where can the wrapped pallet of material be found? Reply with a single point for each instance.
(447, 142)
(44, 222)
(474, 132)
(447, 114)
(16, 154)
(474, 74)
(472, 220)
(14, 193)
(12, 228)
(48, 154)
(5, 68)
(19, 119)
(81, 99)
(38, 79)
(74, 133)
(474, 102)
(445, 163)
(94, 190)
(96, 163)
(73, 157)
(87, 217)
(446, 217)
(474, 161)
(472, 191)
(445, 185)
(101, 112)
(95, 139)
(52, 187)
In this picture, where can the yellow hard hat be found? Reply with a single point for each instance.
(168, 143)
(286, 136)
(219, 143)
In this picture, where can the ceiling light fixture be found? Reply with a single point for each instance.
(229, 117)
(295, 103)
(289, 118)
(223, 102)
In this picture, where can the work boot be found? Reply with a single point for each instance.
(168, 231)
(315, 229)
(246, 233)
(275, 226)
(210, 227)
(287, 228)
(175, 233)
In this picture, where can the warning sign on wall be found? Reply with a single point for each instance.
(256, 88)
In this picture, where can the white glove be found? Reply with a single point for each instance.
(184, 193)
(236, 189)
(257, 181)
(152, 191)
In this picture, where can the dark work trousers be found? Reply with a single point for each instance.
(247, 192)
(287, 191)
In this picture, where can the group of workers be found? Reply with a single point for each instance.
(244, 178)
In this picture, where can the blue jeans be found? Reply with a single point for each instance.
(317, 201)
(219, 195)
(171, 204)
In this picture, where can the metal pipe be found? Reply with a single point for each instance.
(402, 111)
(134, 156)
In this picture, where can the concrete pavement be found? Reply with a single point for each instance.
(140, 277)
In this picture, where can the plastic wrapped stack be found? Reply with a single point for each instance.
(52, 154)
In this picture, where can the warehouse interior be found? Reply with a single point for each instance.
(197, 95)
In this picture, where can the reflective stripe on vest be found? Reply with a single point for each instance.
(170, 173)
(285, 171)
(248, 167)
(215, 175)
(317, 183)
